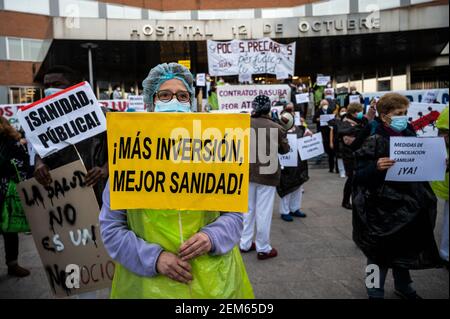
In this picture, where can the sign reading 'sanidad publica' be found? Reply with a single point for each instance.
(250, 57)
(189, 161)
(238, 98)
(62, 119)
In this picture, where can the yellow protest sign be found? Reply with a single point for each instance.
(186, 63)
(185, 161)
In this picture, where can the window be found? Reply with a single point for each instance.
(31, 49)
(21, 95)
(29, 6)
(23, 49)
(14, 49)
(384, 85)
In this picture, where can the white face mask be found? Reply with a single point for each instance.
(342, 113)
(353, 92)
(325, 107)
(172, 106)
(51, 91)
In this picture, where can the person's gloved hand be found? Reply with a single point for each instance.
(42, 174)
(173, 267)
(95, 174)
(195, 246)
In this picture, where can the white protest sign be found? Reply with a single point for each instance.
(302, 98)
(245, 78)
(417, 159)
(136, 102)
(430, 96)
(200, 79)
(310, 146)
(297, 120)
(290, 159)
(237, 98)
(323, 80)
(324, 118)
(62, 119)
(281, 75)
(412, 95)
(250, 57)
(354, 99)
(423, 117)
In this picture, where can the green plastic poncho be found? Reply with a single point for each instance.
(213, 276)
(440, 188)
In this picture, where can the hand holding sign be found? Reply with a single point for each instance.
(384, 163)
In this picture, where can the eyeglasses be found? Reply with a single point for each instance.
(166, 96)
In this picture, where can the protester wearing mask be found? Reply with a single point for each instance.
(441, 187)
(348, 129)
(117, 93)
(325, 130)
(353, 96)
(11, 149)
(292, 179)
(263, 179)
(392, 221)
(334, 139)
(152, 260)
(93, 151)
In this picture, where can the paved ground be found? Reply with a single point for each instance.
(317, 258)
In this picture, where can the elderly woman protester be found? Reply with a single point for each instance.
(152, 261)
(393, 221)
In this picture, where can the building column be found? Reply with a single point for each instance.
(408, 76)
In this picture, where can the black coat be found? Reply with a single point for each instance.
(293, 177)
(393, 222)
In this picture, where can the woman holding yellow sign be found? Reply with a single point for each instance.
(168, 253)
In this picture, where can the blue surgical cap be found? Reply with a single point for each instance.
(162, 73)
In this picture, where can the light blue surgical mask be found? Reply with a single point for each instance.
(51, 91)
(172, 106)
(359, 115)
(399, 123)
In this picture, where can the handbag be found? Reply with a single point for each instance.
(13, 215)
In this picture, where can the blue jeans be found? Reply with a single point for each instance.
(402, 281)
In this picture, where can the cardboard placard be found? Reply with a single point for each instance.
(64, 223)
(189, 161)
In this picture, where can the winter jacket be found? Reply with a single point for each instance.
(293, 177)
(393, 222)
(263, 125)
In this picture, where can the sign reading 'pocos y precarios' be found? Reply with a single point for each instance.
(62, 119)
(250, 57)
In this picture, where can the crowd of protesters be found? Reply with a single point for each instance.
(393, 222)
